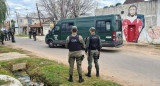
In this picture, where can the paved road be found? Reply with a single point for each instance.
(120, 65)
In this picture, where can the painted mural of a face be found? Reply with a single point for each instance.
(132, 11)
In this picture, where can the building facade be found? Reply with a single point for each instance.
(26, 23)
(142, 18)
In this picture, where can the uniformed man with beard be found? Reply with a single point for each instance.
(93, 47)
(75, 44)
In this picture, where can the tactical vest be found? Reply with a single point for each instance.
(74, 43)
(94, 42)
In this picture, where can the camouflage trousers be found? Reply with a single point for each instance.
(76, 55)
(90, 59)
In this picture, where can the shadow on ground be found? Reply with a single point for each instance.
(110, 50)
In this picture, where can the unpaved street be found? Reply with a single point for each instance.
(120, 65)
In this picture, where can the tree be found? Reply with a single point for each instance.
(3, 10)
(81, 7)
(118, 4)
(105, 7)
(111, 5)
(66, 8)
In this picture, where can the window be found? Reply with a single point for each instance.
(103, 26)
(119, 25)
(57, 28)
(108, 26)
(66, 27)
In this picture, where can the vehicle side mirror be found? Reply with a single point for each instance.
(49, 31)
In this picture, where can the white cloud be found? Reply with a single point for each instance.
(27, 1)
(102, 3)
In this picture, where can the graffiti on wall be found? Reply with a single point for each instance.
(154, 32)
(133, 24)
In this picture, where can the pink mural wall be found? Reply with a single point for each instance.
(154, 32)
(133, 24)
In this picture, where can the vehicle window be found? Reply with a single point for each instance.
(119, 25)
(52, 31)
(66, 27)
(108, 26)
(56, 28)
(103, 26)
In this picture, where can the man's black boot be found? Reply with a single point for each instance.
(70, 78)
(88, 74)
(97, 73)
(81, 79)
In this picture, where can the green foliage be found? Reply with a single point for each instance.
(3, 10)
(4, 49)
(118, 4)
(111, 5)
(105, 7)
(22, 36)
(2, 82)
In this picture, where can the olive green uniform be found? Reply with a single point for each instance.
(75, 55)
(1, 37)
(91, 54)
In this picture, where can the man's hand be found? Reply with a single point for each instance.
(99, 52)
(86, 53)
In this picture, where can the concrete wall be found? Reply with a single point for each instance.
(158, 14)
(36, 21)
(151, 11)
(46, 28)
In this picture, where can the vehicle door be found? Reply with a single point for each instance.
(56, 33)
(66, 30)
(103, 29)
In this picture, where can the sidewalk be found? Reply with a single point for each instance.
(41, 38)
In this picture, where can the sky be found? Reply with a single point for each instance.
(23, 7)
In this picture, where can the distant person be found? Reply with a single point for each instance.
(30, 34)
(75, 43)
(1, 37)
(34, 34)
(6, 34)
(9, 34)
(12, 35)
(26, 32)
(93, 47)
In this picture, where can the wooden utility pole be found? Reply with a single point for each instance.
(38, 14)
(39, 19)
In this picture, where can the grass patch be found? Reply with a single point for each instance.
(4, 49)
(50, 72)
(157, 46)
(2, 82)
(22, 36)
(138, 45)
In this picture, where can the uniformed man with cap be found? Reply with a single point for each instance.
(75, 44)
(93, 47)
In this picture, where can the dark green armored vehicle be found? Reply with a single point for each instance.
(108, 27)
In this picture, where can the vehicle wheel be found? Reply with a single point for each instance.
(50, 44)
(63, 46)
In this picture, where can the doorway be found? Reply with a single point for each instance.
(132, 33)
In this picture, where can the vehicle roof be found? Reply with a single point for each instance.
(81, 18)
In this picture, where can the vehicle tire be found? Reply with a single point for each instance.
(50, 44)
